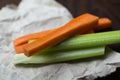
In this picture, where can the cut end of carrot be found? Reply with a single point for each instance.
(26, 50)
(19, 49)
(103, 23)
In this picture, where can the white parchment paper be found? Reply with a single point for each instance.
(37, 15)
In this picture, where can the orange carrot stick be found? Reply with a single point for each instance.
(19, 42)
(81, 23)
(24, 39)
(103, 23)
(19, 48)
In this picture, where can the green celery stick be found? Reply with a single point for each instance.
(87, 41)
(82, 46)
(59, 56)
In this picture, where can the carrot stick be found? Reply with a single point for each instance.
(103, 23)
(24, 39)
(19, 42)
(81, 23)
(19, 48)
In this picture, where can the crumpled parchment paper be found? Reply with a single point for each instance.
(37, 15)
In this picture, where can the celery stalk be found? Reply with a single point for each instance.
(78, 47)
(88, 40)
(58, 56)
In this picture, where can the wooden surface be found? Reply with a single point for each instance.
(4, 2)
(101, 8)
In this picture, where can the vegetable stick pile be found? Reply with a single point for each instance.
(69, 42)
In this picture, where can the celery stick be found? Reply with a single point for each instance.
(87, 41)
(58, 56)
(78, 47)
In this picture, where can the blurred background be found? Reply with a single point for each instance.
(101, 8)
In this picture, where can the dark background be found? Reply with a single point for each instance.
(101, 8)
